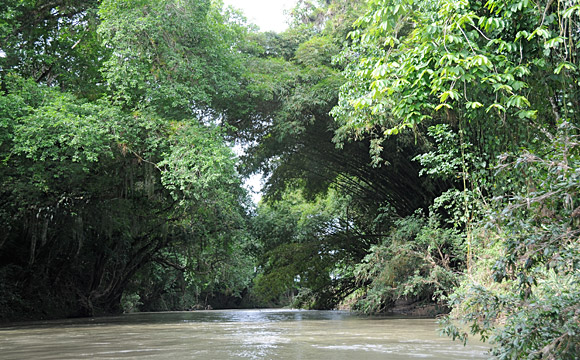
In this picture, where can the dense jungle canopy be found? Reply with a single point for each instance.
(415, 152)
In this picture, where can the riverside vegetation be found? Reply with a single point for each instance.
(423, 152)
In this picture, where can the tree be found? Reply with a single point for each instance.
(308, 250)
(54, 43)
(95, 189)
(172, 57)
(290, 134)
(487, 82)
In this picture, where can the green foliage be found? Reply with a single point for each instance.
(53, 43)
(316, 51)
(197, 163)
(489, 90)
(118, 187)
(65, 213)
(64, 130)
(124, 188)
(307, 248)
(418, 62)
(418, 260)
(202, 268)
(455, 161)
(446, 162)
(334, 17)
(287, 125)
(171, 56)
(98, 191)
(292, 87)
(129, 302)
(534, 298)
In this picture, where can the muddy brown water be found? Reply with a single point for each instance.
(234, 334)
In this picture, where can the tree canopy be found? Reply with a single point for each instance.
(493, 86)
(106, 175)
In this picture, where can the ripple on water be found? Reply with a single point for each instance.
(280, 335)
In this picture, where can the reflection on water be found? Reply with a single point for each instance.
(233, 334)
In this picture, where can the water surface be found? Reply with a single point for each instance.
(233, 334)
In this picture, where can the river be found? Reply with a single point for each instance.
(233, 334)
